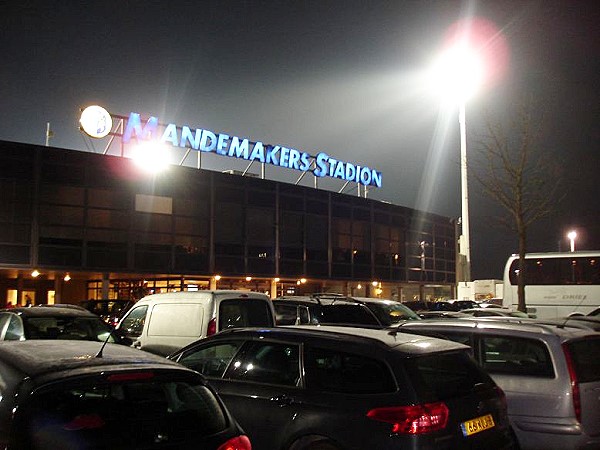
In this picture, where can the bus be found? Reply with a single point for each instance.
(556, 285)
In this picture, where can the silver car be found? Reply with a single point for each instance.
(549, 373)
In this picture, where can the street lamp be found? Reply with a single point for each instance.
(572, 235)
(458, 74)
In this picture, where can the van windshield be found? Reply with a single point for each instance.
(244, 312)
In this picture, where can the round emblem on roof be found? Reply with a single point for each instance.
(95, 121)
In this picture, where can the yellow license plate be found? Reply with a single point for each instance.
(476, 425)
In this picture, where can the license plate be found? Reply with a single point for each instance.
(476, 425)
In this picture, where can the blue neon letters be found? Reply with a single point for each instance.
(206, 141)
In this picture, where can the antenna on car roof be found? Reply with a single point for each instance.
(100, 354)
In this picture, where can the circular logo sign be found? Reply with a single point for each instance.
(95, 121)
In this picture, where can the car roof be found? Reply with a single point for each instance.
(46, 311)
(34, 358)
(520, 326)
(202, 294)
(405, 343)
(296, 300)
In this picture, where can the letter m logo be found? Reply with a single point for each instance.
(134, 128)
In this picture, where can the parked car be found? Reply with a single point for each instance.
(163, 323)
(339, 309)
(72, 396)
(464, 304)
(595, 312)
(109, 310)
(550, 374)
(56, 322)
(323, 387)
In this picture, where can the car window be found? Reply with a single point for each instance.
(516, 356)
(133, 324)
(355, 314)
(245, 312)
(14, 329)
(443, 376)
(286, 314)
(585, 358)
(120, 415)
(67, 327)
(267, 362)
(335, 371)
(391, 313)
(211, 361)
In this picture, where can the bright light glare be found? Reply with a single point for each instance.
(151, 156)
(457, 73)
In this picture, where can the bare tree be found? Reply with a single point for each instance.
(513, 170)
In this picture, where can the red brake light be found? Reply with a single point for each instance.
(574, 381)
(413, 419)
(237, 443)
(212, 327)
(502, 397)
(132, 376)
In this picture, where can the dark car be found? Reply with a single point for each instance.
(109, 310)
(56, 322)
(341, 310)
(321, 387)
(72, 396)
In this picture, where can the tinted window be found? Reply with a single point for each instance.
(210, 361)
(244, 313)
(267, 362)
(390, 313)
(442, 376)
(516, 356)
(285, 314)
(585, 357)
(333, 371)
(133, 324)
(357, 314)
(14, 329)
(120, 415)
(79, 328)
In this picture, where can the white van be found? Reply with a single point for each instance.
(164, 323)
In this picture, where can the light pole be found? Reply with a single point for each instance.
(572, 235)
(458, 73)
(465, 244)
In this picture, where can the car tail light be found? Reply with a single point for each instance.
(130, 376)
(501, 396)
(413, 419)
(212, 327)
(574, 381)
(237, 443)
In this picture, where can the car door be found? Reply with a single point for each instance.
(257, 380)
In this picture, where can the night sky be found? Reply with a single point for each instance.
(345, 77)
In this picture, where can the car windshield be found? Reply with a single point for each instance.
(390, 313)
(65, 327)
(127, 413)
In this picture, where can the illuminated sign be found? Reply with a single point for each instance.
(96, 121)
(321, 165)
